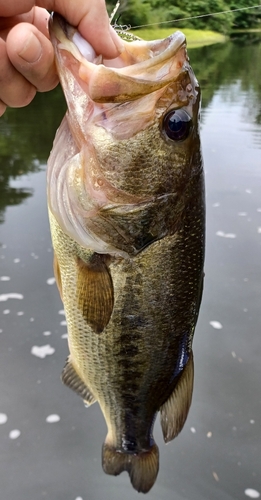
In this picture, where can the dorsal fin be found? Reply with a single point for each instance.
(175, 410)
(95, 292)
(71, 378)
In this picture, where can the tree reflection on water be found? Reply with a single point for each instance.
(26, 137)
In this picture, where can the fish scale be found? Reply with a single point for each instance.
(127, 216)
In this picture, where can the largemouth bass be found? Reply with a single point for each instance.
(126, 206)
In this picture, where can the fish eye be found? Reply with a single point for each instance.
(177, 124)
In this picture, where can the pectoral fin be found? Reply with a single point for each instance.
(71, 378)
(95, 292)
(175, 411)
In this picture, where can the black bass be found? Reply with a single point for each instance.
(126, 205)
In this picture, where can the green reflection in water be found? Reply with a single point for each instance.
(26, 137)
(238, 61)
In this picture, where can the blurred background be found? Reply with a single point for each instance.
(50, 444)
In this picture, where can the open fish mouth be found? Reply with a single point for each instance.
(64, 31)
(142, 67)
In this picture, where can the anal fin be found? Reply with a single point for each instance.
(175, 410)
(95, 292)
(71, 378)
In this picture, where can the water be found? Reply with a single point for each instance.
(50, 443)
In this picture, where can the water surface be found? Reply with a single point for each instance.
(50, 443)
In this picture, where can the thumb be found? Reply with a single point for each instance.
(91, 18)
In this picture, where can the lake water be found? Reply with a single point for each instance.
(50, 443)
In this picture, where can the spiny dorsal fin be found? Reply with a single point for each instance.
(95, 292)
(175, 410)
(72, 380)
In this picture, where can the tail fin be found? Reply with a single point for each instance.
(142, 467)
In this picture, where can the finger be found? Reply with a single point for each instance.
(37, 16)
(40, 20)
(14, 7)
(2, 107)
(92, 20)
(31, 53)
(15, 91)
(100, 34)
(91, 17)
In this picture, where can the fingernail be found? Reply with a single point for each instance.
(116, 40)
(32, 49)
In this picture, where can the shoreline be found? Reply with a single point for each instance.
(195, 38)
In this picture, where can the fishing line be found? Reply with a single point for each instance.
(183, 18)
(197, 17)
(114, 11)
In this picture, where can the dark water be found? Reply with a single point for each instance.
(218, 454)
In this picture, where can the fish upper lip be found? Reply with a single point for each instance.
(162, 50)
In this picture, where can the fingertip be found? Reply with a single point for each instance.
(23, 43)
(31, 53)
(2, 108)
(108, 43)
(117, 41)
(31, 50)
(102, 37)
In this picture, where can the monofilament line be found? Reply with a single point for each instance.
(197, 17)
(114, 11)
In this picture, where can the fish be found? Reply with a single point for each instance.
(125, 189)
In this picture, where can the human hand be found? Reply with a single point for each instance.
(26, 53)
